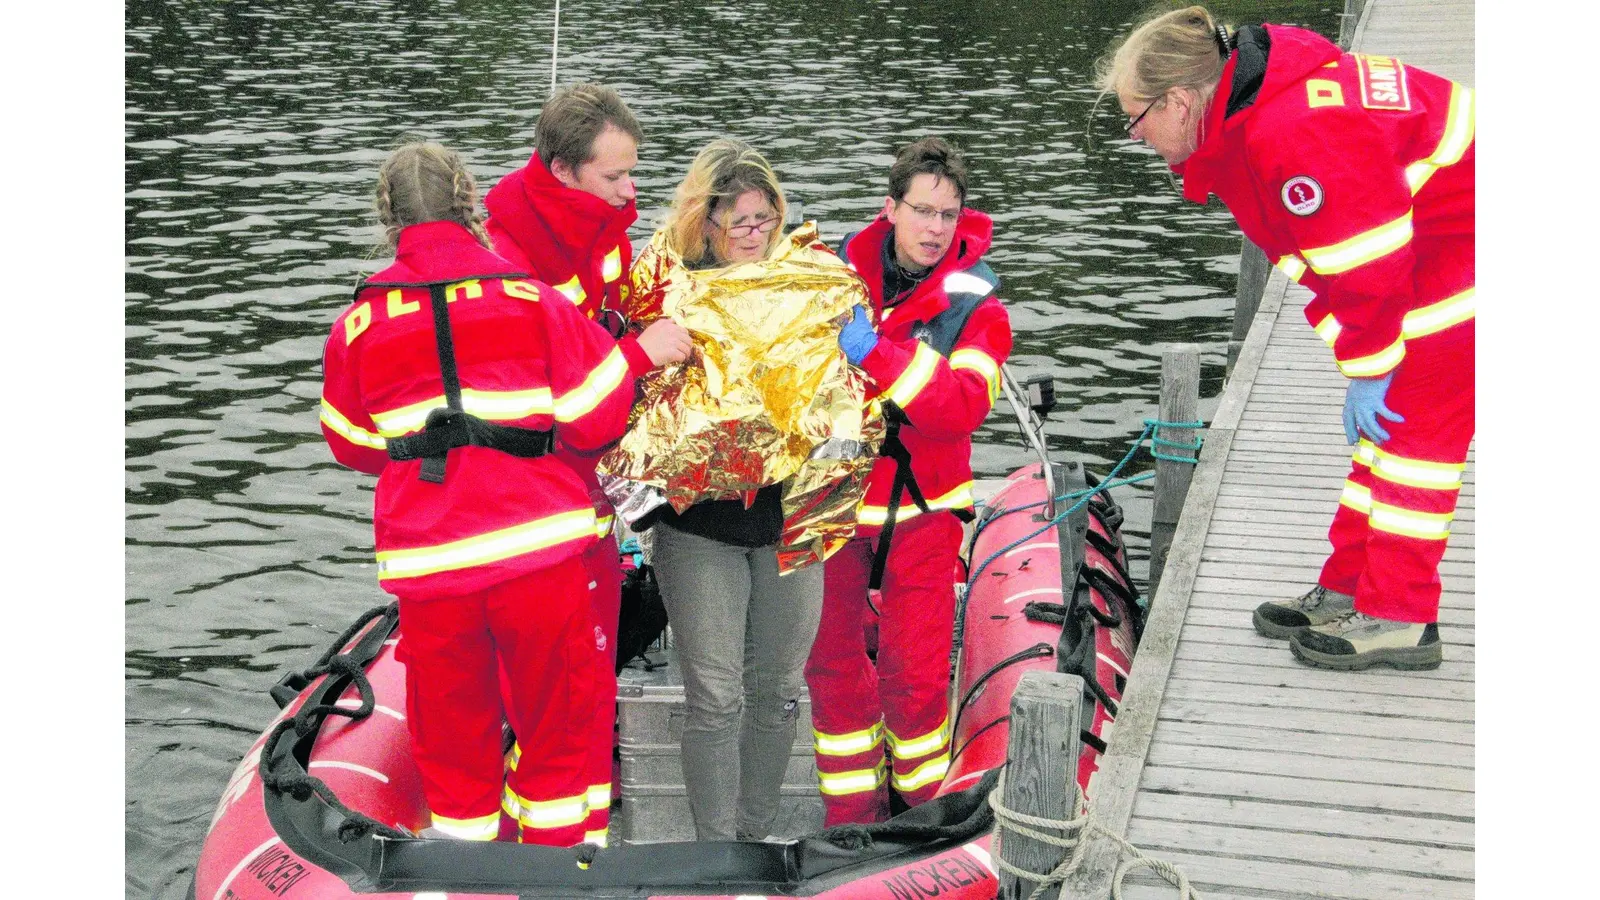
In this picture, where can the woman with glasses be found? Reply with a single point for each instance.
(741, 631)
(1356, 175)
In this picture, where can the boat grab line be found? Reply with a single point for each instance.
(336, 764)
(223, 887)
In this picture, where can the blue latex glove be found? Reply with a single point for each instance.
(1363, 404)
(857, 338)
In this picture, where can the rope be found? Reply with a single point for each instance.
(1104, 487)
(555, 41)
(1072, 830)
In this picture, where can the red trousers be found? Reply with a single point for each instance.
(540, 628)
(1394, 516)
(900, 704)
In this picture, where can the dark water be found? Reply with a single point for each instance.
(253, 132)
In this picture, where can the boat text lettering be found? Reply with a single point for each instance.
(276, 870)
(936, 877)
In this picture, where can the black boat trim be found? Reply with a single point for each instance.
(312, 824)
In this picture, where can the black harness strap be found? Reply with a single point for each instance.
(451, 426)
(904, 483)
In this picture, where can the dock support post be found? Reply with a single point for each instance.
(1254, 268)
(1041, 769)
(1180, 402)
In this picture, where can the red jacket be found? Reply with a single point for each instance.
(526, 357)
(579, 243)
(1356, 175)
(944, 400)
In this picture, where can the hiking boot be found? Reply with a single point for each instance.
(1318, 606)
(1359, 641)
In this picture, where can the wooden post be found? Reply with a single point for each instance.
(1041, 769)
(1180, 402)
(1253, 271)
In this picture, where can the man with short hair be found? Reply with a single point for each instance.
(564, 218)
(935, 361)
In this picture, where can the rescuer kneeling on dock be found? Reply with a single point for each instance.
(1355, 174)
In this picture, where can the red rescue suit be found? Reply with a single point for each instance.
(1356, 175)
(487, 563)
(579, 243)
(859, 710)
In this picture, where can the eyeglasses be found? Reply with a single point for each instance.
(744, 231)
(928, 214)
(1134, 122)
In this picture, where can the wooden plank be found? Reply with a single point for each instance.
(1390, 798)
(1324, 679)
(1410, 715)
(1429, 830)
(1242, 655)
(1414, 859)
(1042, 743)
(1201, 711)
(1315, 743)
(1311, 767)
(1459, 650)
(1212, 875)
(1223, 610)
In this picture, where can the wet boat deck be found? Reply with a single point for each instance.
(1256, 775)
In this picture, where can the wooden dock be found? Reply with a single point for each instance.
(1257, 776)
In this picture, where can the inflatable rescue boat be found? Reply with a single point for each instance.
(327, 802)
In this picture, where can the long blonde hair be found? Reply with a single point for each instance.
(426, 182)
(721, 172)
(1173, 49)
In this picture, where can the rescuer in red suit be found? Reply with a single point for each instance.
(1355, 174)
(449, 378)
(563, 218)
(935, 361)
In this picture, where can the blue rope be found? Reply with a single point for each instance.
(1110, 481)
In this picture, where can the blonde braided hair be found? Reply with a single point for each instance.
(426, 182)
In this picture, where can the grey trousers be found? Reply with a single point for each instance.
(742, 634)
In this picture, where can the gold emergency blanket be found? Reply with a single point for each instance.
(765, 397)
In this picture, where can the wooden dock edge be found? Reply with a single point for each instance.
(1117, 781)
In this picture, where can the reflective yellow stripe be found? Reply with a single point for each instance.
(482, 828)
(1436, 317)
(602, 525)
(915, 377)
(1292, 266)
(1328, 329)
(571, 288)
(545, 813)
(341, 426)
(978, 361)
(1375, 364)
(611, 268)
(960, 498)
(599, 796)
(1408, 522)
(493, 406)
(1361, 249)
(1459, 130)
(927, 773)
(505, 543)
(514, 756)
(838, 784)
(1418, 473)
(595, 837)
(1366, 452)
(847, 744)
(922, 745)
(601, 382)
(1356, 497)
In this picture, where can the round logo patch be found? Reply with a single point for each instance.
(1302, 195)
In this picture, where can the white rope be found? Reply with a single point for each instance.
(1071, 839)
(555, 40)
